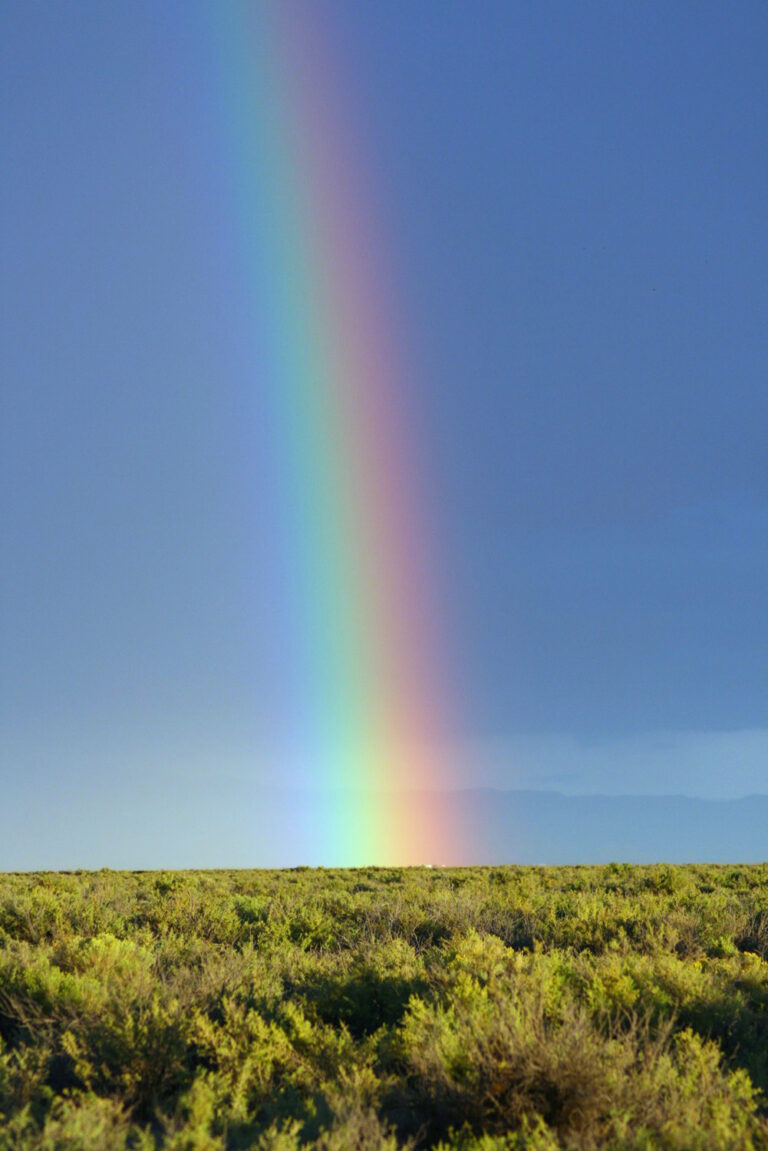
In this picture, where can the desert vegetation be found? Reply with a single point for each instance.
(481, 1009)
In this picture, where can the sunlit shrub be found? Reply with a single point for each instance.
(479, 1009)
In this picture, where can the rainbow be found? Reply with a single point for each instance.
(333, 358)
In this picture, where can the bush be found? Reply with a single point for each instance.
(480, 1009)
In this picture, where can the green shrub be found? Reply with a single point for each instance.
(492, 1009)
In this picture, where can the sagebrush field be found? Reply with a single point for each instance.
(488, 1008)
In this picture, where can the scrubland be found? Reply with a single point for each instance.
(480, 1008)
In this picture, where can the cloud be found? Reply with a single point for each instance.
(706, 764)
(699, 764)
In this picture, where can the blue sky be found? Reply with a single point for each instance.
(578, 195)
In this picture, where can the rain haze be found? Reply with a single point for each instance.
(573, 199)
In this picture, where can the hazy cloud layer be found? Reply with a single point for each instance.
(707, 764)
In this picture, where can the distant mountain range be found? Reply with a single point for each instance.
(541, 827)
(531, 827)
(550, 828)
(175, 821)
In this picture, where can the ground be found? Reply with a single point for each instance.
(477, 1008)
